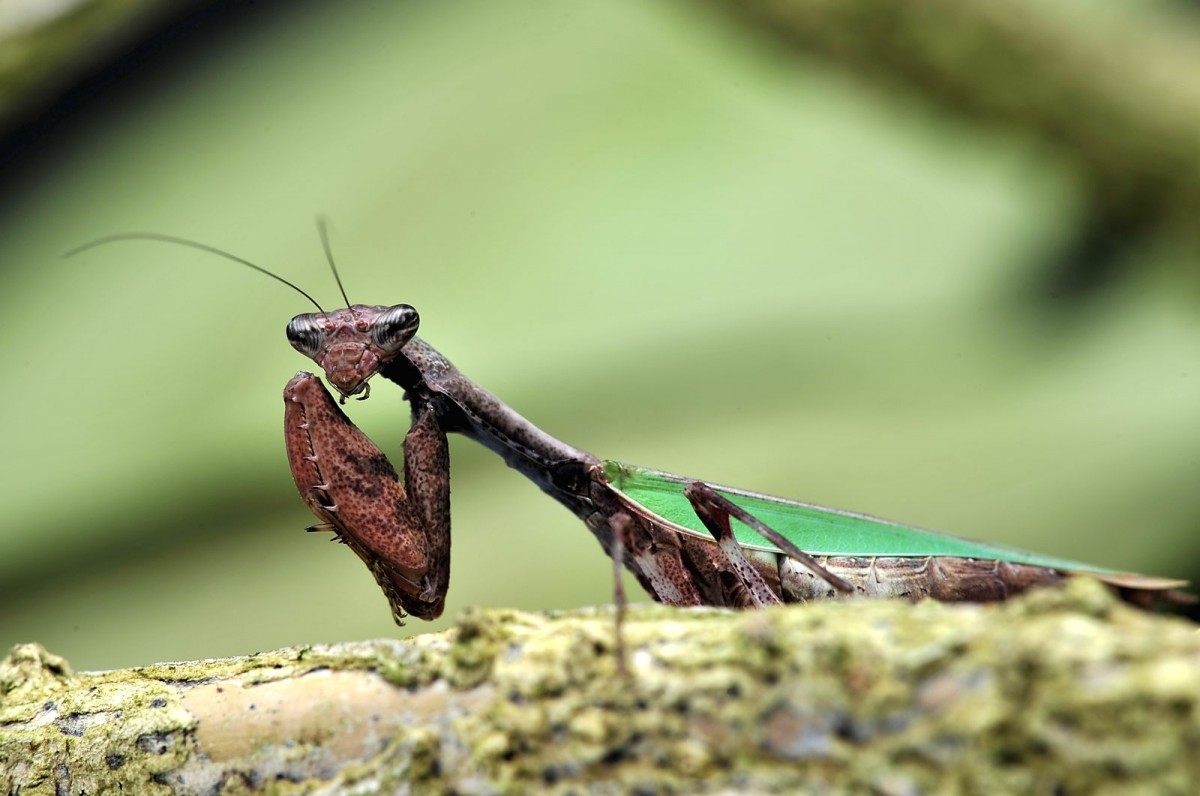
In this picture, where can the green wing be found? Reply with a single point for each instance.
(814, 529)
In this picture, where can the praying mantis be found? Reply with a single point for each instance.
(686, 541)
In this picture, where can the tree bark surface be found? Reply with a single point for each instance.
(1061, 691)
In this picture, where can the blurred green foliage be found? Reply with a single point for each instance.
(648, 232)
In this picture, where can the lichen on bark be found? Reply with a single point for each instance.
(1062, 690)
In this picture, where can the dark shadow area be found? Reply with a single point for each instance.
(215, 516)
(1095, 258)
(150, 64)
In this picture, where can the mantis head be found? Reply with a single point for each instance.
(351, 345)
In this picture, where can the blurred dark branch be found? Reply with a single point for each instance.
(1116, 93)
(45, 47)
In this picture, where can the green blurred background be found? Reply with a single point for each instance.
(657, 234)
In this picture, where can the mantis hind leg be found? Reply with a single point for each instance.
(742, 580)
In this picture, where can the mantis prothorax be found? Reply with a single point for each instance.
(687, 542)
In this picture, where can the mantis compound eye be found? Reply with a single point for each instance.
(305, 334)
(393, 328)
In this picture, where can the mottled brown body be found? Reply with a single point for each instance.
(681, 569)
(402, 530)
(912, 578)
(409, 551)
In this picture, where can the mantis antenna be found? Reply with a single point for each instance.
(205, 248)
(323, 231)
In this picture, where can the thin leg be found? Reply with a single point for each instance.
(714, 510)
(657, 561)
(620, 528)
(715, 516)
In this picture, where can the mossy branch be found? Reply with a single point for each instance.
(1063, 691)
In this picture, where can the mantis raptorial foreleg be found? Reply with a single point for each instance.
(401, 531)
